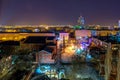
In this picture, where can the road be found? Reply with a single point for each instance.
(6, 72)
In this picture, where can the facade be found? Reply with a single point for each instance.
(82, 33)
(19, 36)
(44, 57)
(64, 35)
(119, 24)
(62, 39)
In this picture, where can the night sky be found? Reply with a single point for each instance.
(102, 12)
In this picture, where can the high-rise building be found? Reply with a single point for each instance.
(81, 20)
(118, 23)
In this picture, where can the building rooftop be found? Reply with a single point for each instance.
(51, 38)
(35, 39)
(10, 43)
(51, 44)
(109, 39)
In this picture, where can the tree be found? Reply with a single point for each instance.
(23, 62)
(80, 70)
(6, 51)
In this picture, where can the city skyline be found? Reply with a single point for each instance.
(100, 12)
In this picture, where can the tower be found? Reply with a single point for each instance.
(81, 20)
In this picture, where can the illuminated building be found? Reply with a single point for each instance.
(81, 23)
(45, 56)
(119, 24)
(82, 33)
(20, 36)
(81, 20)
(64, 37)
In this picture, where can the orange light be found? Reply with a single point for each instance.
(4, 38)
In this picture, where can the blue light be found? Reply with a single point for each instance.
(38, 71)
(46, 67)
(62, 74)
(88, 57)
(42, 69)
(58, 38)
(78, 51)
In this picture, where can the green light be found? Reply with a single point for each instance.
(77, 27)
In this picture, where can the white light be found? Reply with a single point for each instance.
(77, 76)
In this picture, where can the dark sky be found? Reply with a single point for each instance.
(102, 12)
